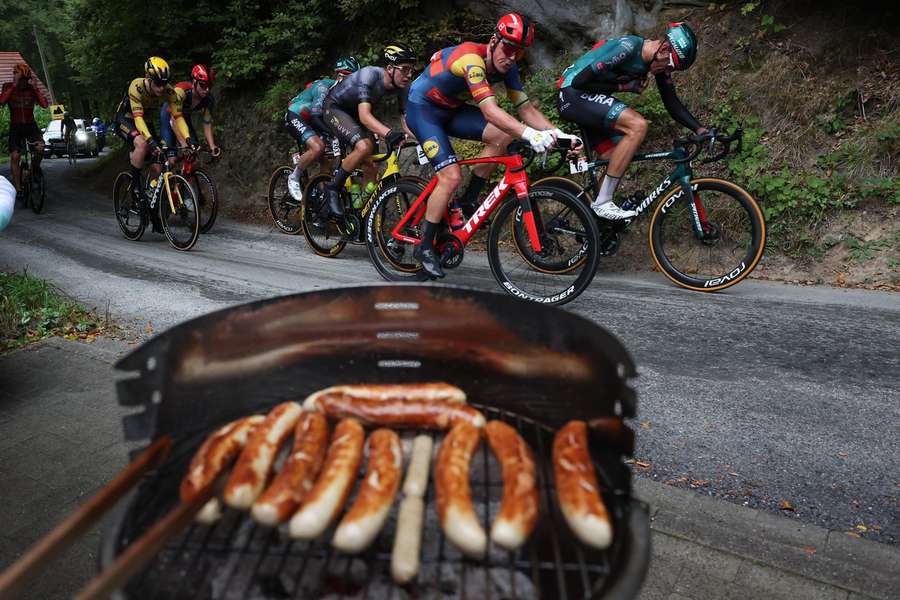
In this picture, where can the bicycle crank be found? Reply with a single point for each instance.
(450, 249)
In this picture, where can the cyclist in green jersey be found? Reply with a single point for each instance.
(612, 129)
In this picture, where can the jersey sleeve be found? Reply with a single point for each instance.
(208, 110)
(472, 69)
(175, 97)
(515, 91)
(136, 104)
(611, 55)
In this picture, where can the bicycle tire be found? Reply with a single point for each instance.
(737, 236)
(281, 204)
(186, 217)
(125, 209)
(573, 187)
(393, 259)
(38, 192)
(524, 280)
(322, 235)
(207, 198)
(25, 179)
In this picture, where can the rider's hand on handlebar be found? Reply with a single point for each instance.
(540, 141)
(572, 143)
(215, 152)
(153, 147)
(393, 138)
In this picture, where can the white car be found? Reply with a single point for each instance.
(85, 139)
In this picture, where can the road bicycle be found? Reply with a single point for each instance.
(168, 202)
(706, 234)
(72, 150)
(393, 231)
(34, 189)
(205, 190)
(327, 236)
(283, 207)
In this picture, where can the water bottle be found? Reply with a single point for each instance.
(632, 201)
(370, 188)
(356, 195)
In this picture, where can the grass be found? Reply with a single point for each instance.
(32, 309)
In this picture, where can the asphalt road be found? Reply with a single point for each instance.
(779, 397)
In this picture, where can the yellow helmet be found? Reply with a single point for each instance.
(22, 69)
(157, 69)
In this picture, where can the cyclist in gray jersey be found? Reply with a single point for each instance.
(348, 113)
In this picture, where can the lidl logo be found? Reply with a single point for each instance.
(431, 148)
(475, 75)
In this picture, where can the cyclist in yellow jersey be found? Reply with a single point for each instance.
(145, 96)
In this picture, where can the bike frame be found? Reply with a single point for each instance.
(680, 175)
(514, 178)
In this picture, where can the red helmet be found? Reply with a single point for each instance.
(199, 73)
(516, 29)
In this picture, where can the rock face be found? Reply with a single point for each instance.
(568, 25)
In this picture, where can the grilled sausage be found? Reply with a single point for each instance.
(251, 472)
(402, 392)
(284, 495)
(328, 495)
(416, 482)
(215, 454)
(519, 507)
(418, 414)
(452, 491)
(577, 488)
(376, 494)
(210, 513)
(407, 539)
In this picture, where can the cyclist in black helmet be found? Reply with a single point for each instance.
(348, 113)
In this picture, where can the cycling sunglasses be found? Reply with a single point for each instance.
(511, 50)
(406, 70)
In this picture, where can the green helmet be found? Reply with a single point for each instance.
(684, 45)
(345, 66)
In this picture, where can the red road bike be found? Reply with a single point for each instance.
(542, 244)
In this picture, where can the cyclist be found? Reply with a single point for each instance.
(143, 93)
(303, 120)
(613, 129)
(69, 128)
(437, 109)
(196, 98)
(348, 114)
(21, 95)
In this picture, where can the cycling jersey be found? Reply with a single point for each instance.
(130, 111)
(204, 107)
(366, 86)
(458, 73)
(21, 102)
(310, 101)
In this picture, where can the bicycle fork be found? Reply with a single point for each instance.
(699, 220)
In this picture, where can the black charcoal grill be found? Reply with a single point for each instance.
(532, 366)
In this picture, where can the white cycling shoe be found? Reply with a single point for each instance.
(295, 189)
(611, 212)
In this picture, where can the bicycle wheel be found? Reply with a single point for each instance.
(284, 209)
(25, 178)
(321, 233)
(513, 262)
(129, 213)
(730, 247)
(393, 259)
(38, 191)
(207, 199)
(181, 226)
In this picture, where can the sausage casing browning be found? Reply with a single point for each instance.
(402, 392)
(328, 495)
(419, 414)
(251, 471)
(453, 493)
(376, 494)
(520, 505)
(215, 454)
(577, 488)
(284, 495)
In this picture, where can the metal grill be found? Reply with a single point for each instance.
(236, 558)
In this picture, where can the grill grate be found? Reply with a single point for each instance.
(236, 558)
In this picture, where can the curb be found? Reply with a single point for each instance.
(857, 566)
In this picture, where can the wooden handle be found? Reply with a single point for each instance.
(36, 558)
(145, 548)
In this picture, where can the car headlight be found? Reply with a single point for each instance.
(81, 136)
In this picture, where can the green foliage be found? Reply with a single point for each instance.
(32, 309)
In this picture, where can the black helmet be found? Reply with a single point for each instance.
(397, 53)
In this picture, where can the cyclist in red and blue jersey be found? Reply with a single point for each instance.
(437, 109)
(614, 130)
(21, 95)
(303, 120)
(197, 98)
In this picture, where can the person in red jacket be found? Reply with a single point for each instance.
(22, 95)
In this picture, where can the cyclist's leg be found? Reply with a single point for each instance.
(355, 136)
(469, 123)
(34, 136)
(15, 147)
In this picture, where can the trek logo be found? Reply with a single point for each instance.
(497, 193)
(654, 195)
(721, 280)
(599, 99)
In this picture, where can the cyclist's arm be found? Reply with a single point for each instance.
(370, 122)
(175, 103)
(7, 93)
(208, 134)
(527, 111)
(499, 118)
(674, 106)
(532, 117)
(40, 97)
